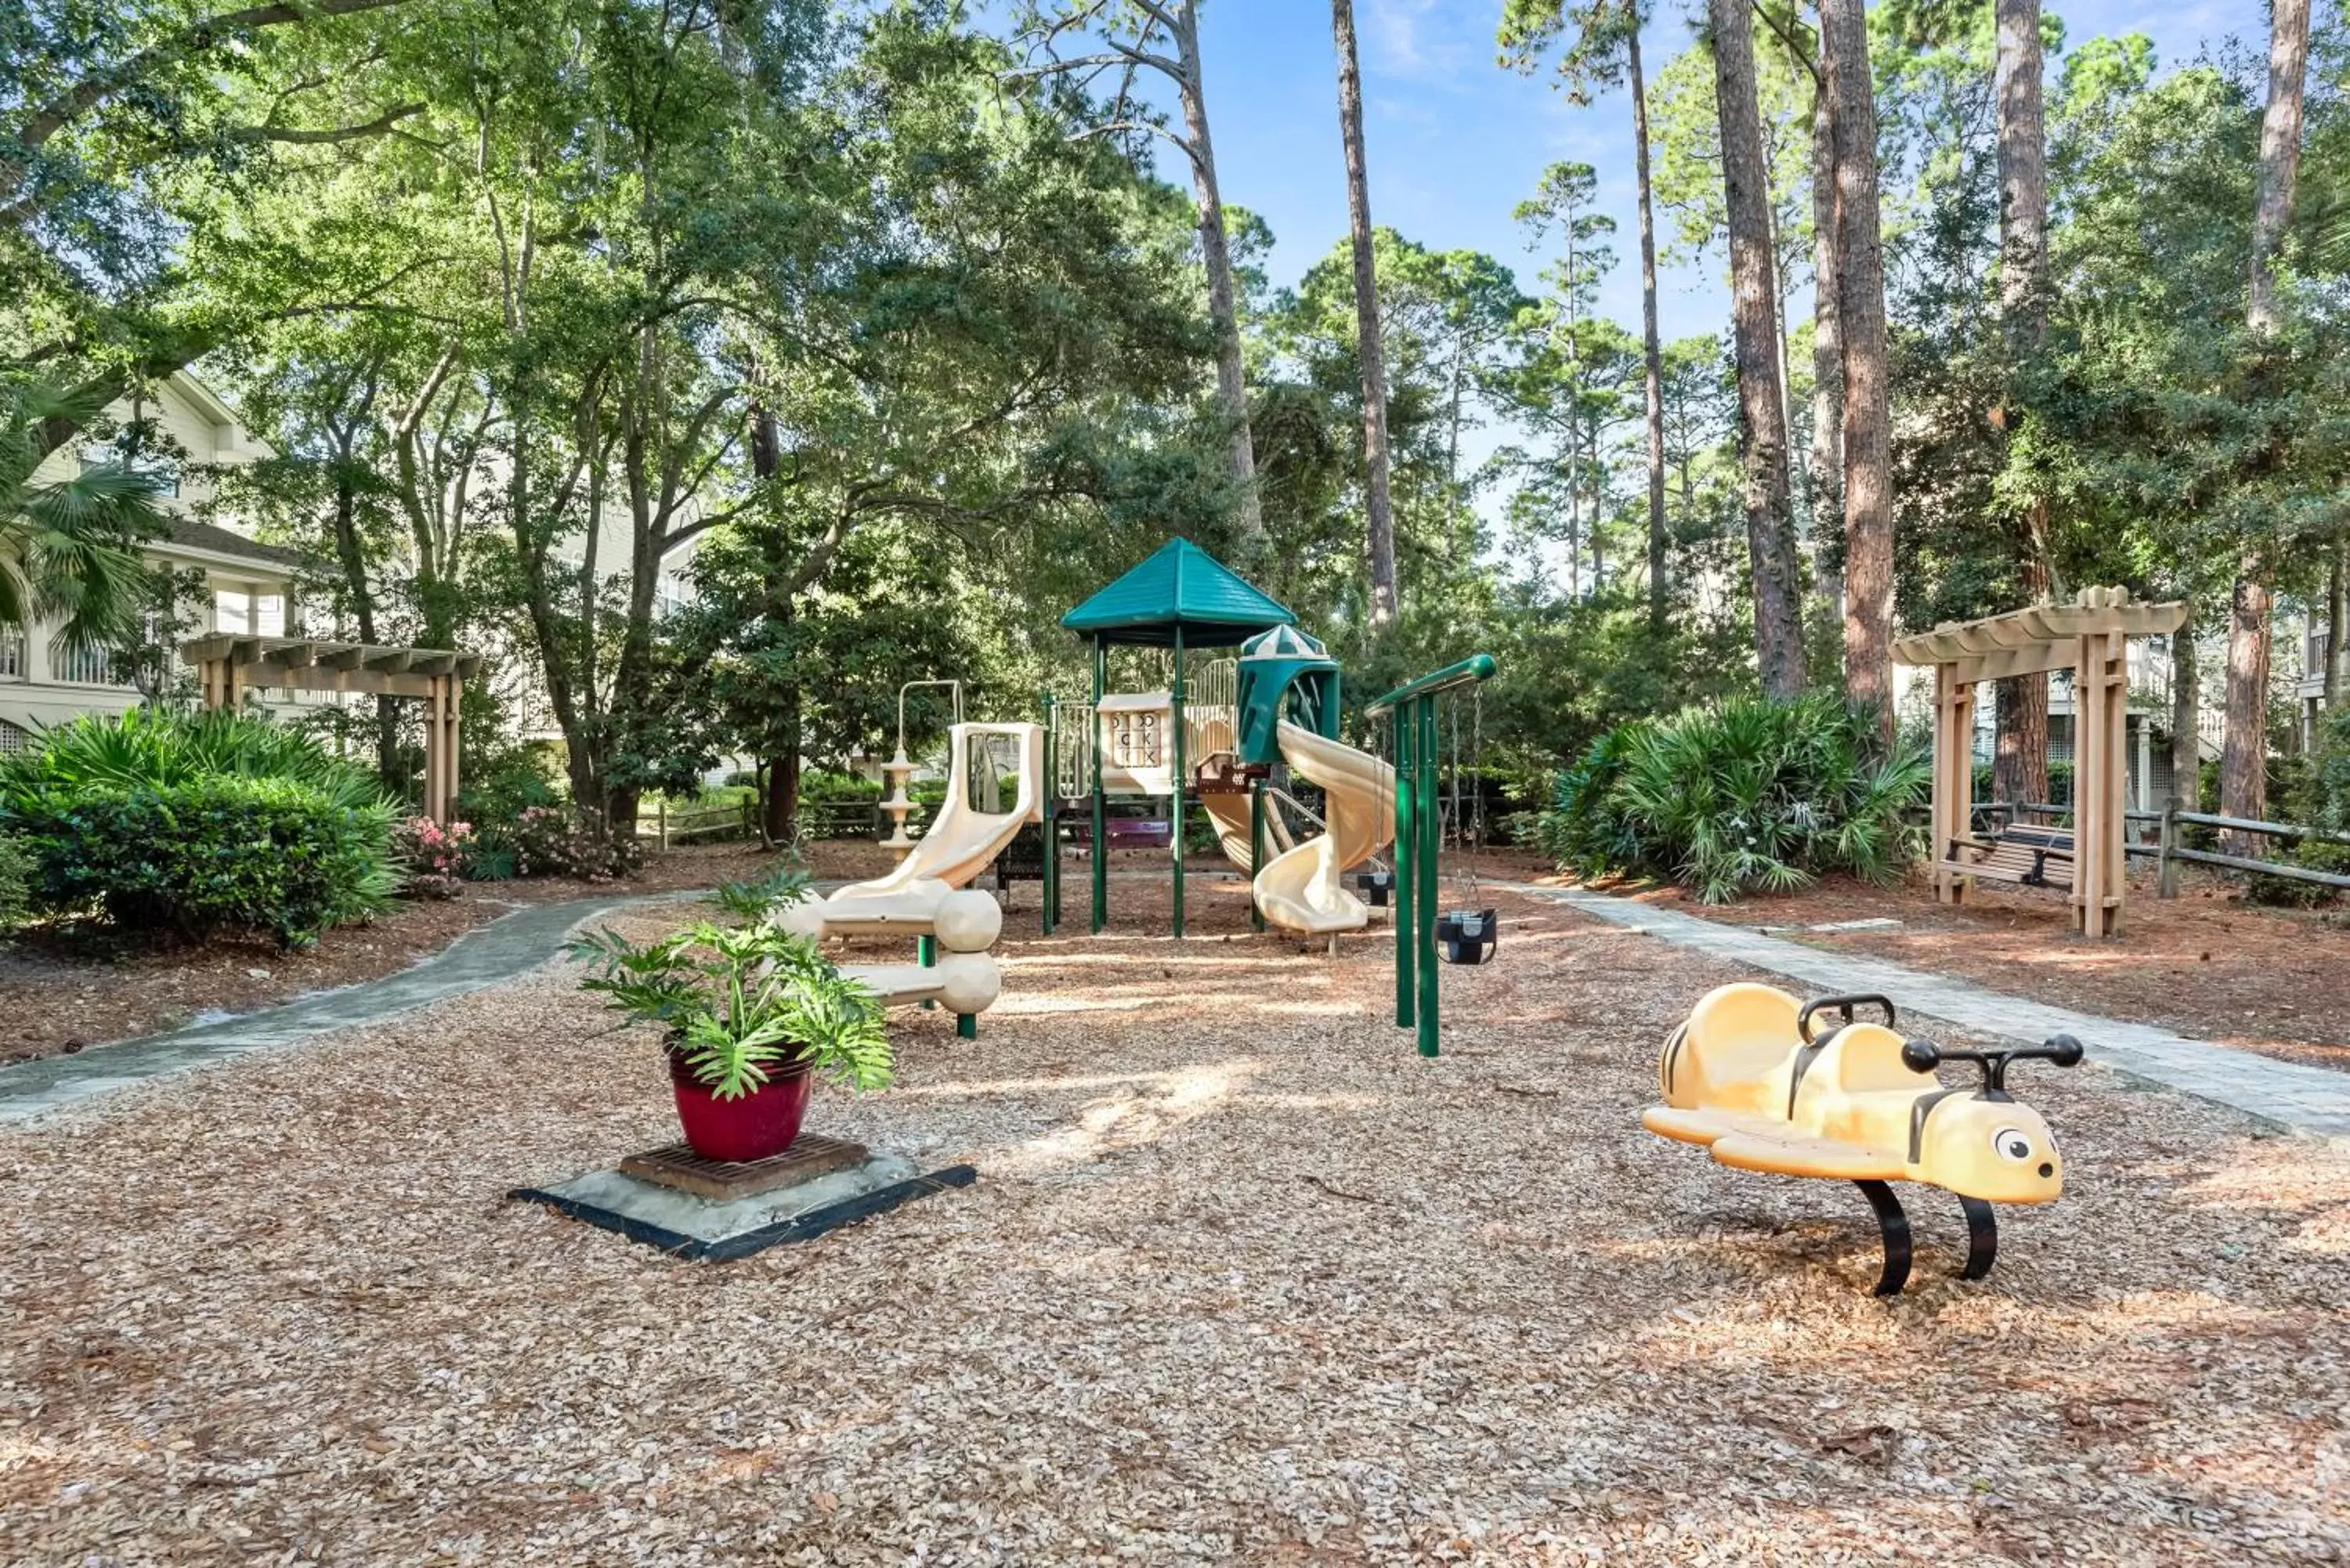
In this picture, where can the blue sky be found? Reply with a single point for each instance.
(1455, 142)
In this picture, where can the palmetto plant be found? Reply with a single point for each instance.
(69, 547)
(1753, 796)
(743, 1005)
(164, 749)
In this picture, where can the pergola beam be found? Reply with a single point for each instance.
(2091, 637)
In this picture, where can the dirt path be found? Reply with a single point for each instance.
(1241, 1280)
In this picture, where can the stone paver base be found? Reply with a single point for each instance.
(2312, 1101)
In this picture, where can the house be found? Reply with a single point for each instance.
(249, 585)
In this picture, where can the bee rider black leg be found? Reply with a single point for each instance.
(1982, 1238)
(1894, 1226)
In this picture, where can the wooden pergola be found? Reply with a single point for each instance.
(227, 665)
(2091, 636)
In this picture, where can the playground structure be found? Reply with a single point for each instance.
(924, 896)
(1746, 1077)
(2091, 636)
(1212, 739)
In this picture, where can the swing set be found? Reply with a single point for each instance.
(1468, 935)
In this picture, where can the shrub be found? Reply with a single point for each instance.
(197, 823)
(15, 885)
(555, 841)
(1751, 797)
(2311, 855)
(162, 748)
(826, 785)
(437, 857)
(223, 852)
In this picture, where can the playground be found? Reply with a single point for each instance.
(1295, 1212)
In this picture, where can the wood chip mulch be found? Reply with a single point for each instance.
(1242, 1280)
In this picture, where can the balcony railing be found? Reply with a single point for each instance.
(11, 659)
(73, 666)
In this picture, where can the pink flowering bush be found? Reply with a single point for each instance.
(553, 841)
(436, 856)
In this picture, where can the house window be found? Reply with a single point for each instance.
(164, 471)
(249, 614)
(12, 658)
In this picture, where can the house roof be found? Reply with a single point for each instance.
(1180, 588)
(190, 535)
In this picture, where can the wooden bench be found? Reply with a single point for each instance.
(2030, 856)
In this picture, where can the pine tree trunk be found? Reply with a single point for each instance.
(2021, 772)
(1754, 319)
(2243, 753)
(1651, 342)
(2244, 747)
(1827, 361)
(1215, 250)
(1366, 321)
(2186, 725)
(1867, 400)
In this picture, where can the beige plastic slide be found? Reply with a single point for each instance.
(1304, 889)
(962, 841)
(1229, 812)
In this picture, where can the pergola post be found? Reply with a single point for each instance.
(1954, 776)
(2100, 775)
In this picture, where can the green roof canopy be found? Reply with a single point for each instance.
(1181, 585)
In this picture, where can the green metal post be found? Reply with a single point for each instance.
(1425, 856)
(967, 1025)
(1407, 832)
(1256, 848)
(926, 952)
(1048, 886)
(1175, 805)
(1101, 805)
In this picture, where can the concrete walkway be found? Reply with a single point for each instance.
(483, 957)
(2312, 1101)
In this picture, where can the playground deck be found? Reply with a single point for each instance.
(1241, 1280)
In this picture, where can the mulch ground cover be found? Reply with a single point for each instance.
(1241, 1280)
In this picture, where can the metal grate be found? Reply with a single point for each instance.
(13, 739)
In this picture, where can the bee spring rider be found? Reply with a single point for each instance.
(1748, 1077)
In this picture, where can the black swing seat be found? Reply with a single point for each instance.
(1467, 936)
(1374, 887)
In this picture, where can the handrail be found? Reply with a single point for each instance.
(1475, 668)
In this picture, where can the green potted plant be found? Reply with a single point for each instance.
(751, 1015)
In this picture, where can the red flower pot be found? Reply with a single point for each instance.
(750, 1126)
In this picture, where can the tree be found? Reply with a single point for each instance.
(1378, 502)
(1867, 393)
(2021, 772)
(1762, 428)
(69, 547)
(2243, 757)
(1606, 50)
(1554, 385)
(1130, 29)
